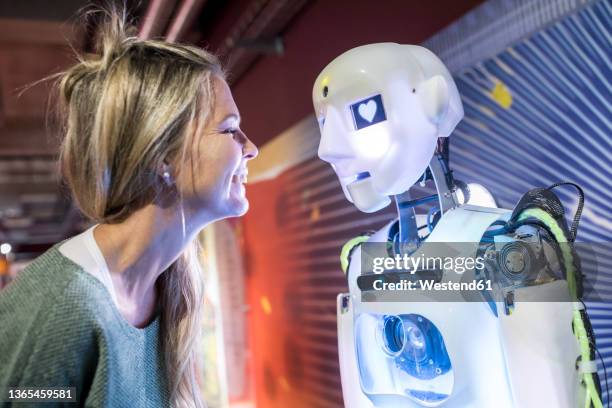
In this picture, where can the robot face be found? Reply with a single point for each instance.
(379, 118)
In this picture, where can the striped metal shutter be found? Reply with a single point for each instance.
(538, 113)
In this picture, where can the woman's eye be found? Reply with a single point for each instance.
(236, 133)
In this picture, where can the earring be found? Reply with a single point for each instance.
(167, 176)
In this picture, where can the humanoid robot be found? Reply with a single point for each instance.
(384, 112)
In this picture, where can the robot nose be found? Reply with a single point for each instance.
(334, 144)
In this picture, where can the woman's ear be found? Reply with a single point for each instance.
(434, 98)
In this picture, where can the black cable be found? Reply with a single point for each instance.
(448, 173)
(574, 229)
(605, 375)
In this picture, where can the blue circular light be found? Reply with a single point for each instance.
(416, 345)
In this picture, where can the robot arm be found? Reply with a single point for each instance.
(534, 247)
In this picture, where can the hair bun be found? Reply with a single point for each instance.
(111, 39)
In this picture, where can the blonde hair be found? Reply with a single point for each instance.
(127, 109)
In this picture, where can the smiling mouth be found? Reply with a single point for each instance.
(240, 178)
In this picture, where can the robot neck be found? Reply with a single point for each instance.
(405, 205)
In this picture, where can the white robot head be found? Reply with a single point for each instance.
(381, 109)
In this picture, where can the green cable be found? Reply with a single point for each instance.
(592, 396)
(551, 223)
(583, 341)
(347, 248)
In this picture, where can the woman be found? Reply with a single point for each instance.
(153, 152)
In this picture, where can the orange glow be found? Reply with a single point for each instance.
(265, 305)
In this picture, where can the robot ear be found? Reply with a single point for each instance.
(434, 97)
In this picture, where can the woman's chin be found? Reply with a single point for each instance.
(231, 204)
(243, 210)
(238, 204)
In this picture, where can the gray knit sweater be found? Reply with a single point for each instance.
(60, 328)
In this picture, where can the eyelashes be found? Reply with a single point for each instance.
(237, 134)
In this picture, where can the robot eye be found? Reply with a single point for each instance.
(325, 91)
(367, 112)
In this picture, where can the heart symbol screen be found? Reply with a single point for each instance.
(368, 112)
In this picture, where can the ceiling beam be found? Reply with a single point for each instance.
(156, 18)
(263, 21)
(184, 18)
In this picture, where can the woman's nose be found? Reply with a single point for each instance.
(249, 149)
